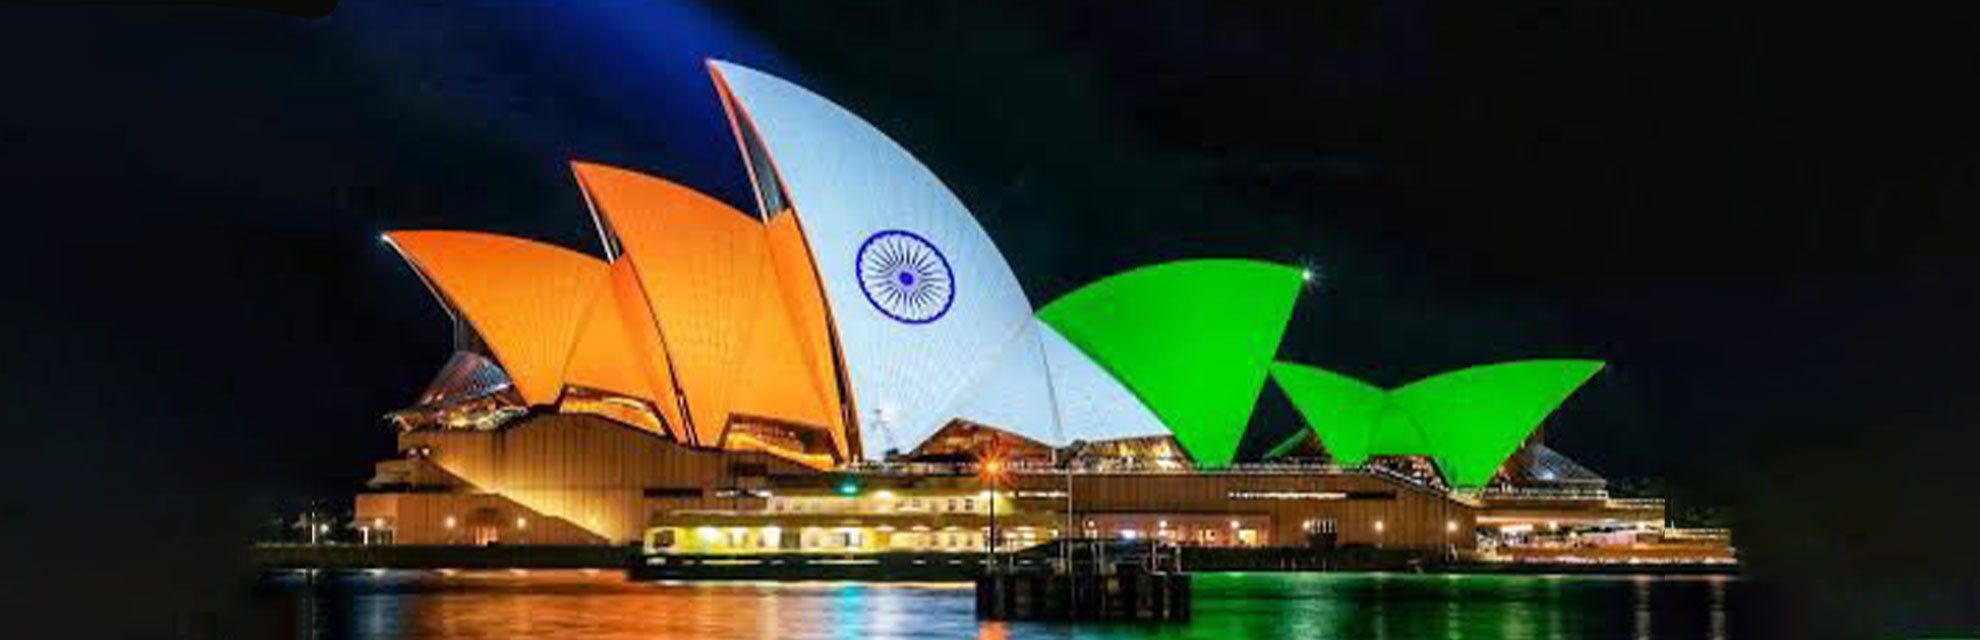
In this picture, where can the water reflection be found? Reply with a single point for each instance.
(1305, 606)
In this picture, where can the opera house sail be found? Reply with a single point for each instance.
(1469, 421)
(912, 283)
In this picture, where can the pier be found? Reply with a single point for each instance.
(1088, 580)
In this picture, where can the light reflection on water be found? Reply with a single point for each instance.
(1256, 605)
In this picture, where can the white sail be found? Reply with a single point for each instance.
(1012, 394)
(920, 296)
(1093, 404)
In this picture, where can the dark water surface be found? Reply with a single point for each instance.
(1228, 606)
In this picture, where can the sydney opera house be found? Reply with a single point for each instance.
(854, 367)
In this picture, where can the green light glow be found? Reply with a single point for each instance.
(1192, 339)
(1469, 420)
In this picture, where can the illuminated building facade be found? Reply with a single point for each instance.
(712, 379)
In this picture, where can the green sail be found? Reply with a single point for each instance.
(1469, 420)
(1351, 408)
(1191, 339)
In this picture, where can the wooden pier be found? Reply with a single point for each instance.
(1091, 580)
(1134, 596)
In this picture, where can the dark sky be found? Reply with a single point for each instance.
(1759, 215)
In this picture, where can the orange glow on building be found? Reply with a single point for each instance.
(643, 340)
(748, 442)
(704, 318)
(605, 359)
(797, 281)
(526, 299)
(721, 312)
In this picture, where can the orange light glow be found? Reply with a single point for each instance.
(993, 469)
(527, 299)
(704, 313)
(707, 271)
(747, 442)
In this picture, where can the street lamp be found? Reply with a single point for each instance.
(991, 470)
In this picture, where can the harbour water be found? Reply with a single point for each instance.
(1331, 606)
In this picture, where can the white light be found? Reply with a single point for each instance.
(884, 494)
(377, 523)
(1234, 524)
(1306, 275)
(522, 523)
(1164, 524)
(449, 522)
(1450, 526)
(1379, 525)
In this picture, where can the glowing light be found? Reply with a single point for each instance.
(449, 522)
(848, 488)
(1379, 526)
(1450, 526)
(884, 494)
(522, 523)
(1234, 524)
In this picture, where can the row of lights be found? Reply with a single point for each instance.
(1450, 526)
(450, 522)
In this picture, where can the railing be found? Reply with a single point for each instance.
(1039, 467)
(1707, 535)
(1538, 493)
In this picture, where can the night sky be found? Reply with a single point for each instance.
(1758, 215)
